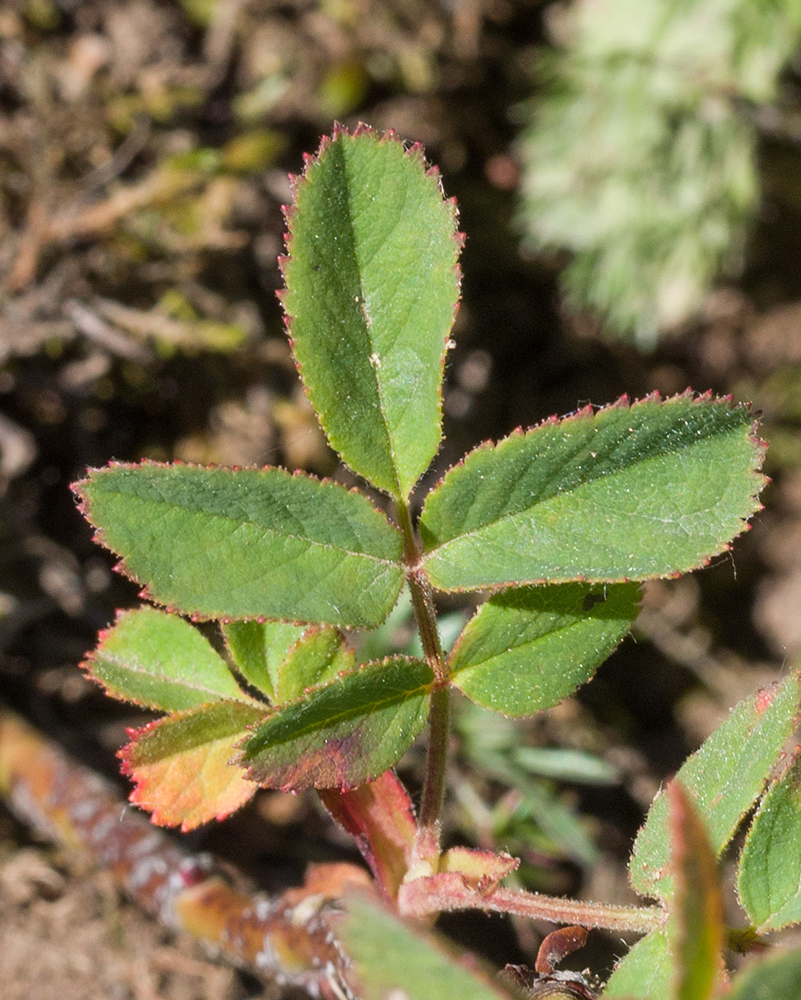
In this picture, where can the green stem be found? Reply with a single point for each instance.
(427, 848)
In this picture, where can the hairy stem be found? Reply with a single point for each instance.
(427, 847)
(448, 892)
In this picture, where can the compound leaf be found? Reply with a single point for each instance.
(371, 290)
(181, 764)
(161, 661)
(218, 543)
(624, 493)
(725, 777)
(342, 733)
(526, 649)
(769, 879)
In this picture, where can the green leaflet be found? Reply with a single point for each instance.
(627, 493)
(181, 764)
(525, 650)
(219, 543)
(769, 879)
(342, 733)
(393, 959)
(319, 656)
(725, 777)
(645, 972)
(259, 649)
(778, 976)
(282, 660)
(697, 906)
(371, 290)
(161, 661)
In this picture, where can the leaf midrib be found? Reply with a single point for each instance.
(238, 522)
(548, 496)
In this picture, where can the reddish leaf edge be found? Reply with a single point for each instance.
(590, 410)
(83, 504)
(414, 151)
(138, 794)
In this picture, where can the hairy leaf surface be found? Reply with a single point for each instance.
(769, 879)
(526, 649)
(343, 733)
(725, 777)
(371, 291)
(624, 493)
(161, 661)
(645, 972)
(181, 764)
(219, 543)
(393, 959)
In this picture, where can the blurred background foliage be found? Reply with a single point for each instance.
(629, 179)
(640, 155)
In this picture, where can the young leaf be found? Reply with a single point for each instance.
(645, 972)
(725, 777)
(218, 543)
(774, 978)
(259, 649)
(342, 733)
(526, 649)
(696, 927)
(181, 764)
(769, 879)
(316, 657)
(371, 290)
(624, 493)
(393, 959)
(379, 817)
(161, 661)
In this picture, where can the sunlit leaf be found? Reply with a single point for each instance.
(624, 493)
(181, 764)
(725, 777)
(220, 543)
(526, 649)
(372, 285)
(343, 733)
(161, 661)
